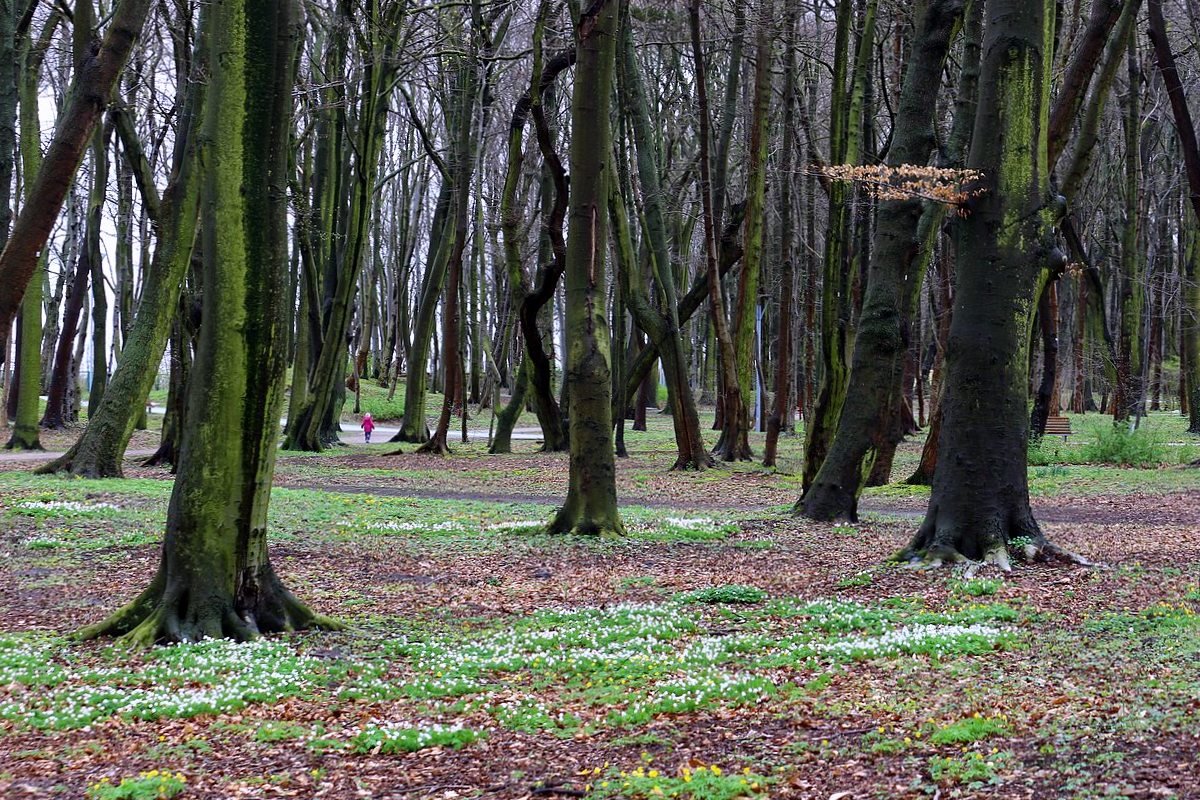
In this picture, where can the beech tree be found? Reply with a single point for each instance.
(979, 506)
(214, 576)
(591, 504)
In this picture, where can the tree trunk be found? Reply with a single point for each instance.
(87, 96)
(215, 577)
(781, 410)
(870, 413)
(99, 452)
(729, 403)
(1186, 131)
(980, 501)
(461, 168)
(835, 299)
(591, 504)
(662, 326)
(734, 443)
(1045, 402)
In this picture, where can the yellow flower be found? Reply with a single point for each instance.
(652, 773)
(716, 770)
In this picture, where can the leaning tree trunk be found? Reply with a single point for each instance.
(980, 507)
(86, 99)
(660, 323)
(591, 505)
(873, 396)
(215, 578)
(98, 453)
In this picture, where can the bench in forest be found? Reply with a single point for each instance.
(1058, 426)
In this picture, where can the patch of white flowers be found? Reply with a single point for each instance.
(180, 681)
(931, 639)
(70, 507)
(405, 737)
(517, 525)
(437, 527)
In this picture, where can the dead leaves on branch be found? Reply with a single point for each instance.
(950, 187)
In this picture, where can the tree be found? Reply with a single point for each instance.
(873, 396)
(591, 505)
(1186, 131)
(835, 285)
(660, 323)
(214, 577)
(29, 367)
(979, 506)
(99, 451)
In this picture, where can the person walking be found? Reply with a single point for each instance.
(367, 425)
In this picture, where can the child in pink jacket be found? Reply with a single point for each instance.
(367, 425)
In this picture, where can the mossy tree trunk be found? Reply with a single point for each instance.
(873, 398)
(835, 283)
(980, 501)
(215, 578)
(591, 504)
(25, 421)
(734, 442)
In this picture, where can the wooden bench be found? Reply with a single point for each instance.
(1058, 426)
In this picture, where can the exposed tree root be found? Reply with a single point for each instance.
(1039, 550)
(569, 523)
(436, 446)
(695, 463)
(182, 613)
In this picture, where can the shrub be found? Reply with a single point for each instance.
(1117, 444)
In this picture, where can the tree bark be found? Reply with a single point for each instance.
(215, 577)
(979, 506)
(591, 504)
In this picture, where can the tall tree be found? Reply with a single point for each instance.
(1186, 131)
(214, 577)
(99, 451)
(661, 322)
(835, 283)
(591, 504)
(884, 328)
(979, 506)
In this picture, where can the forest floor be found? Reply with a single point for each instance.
(723, 649)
